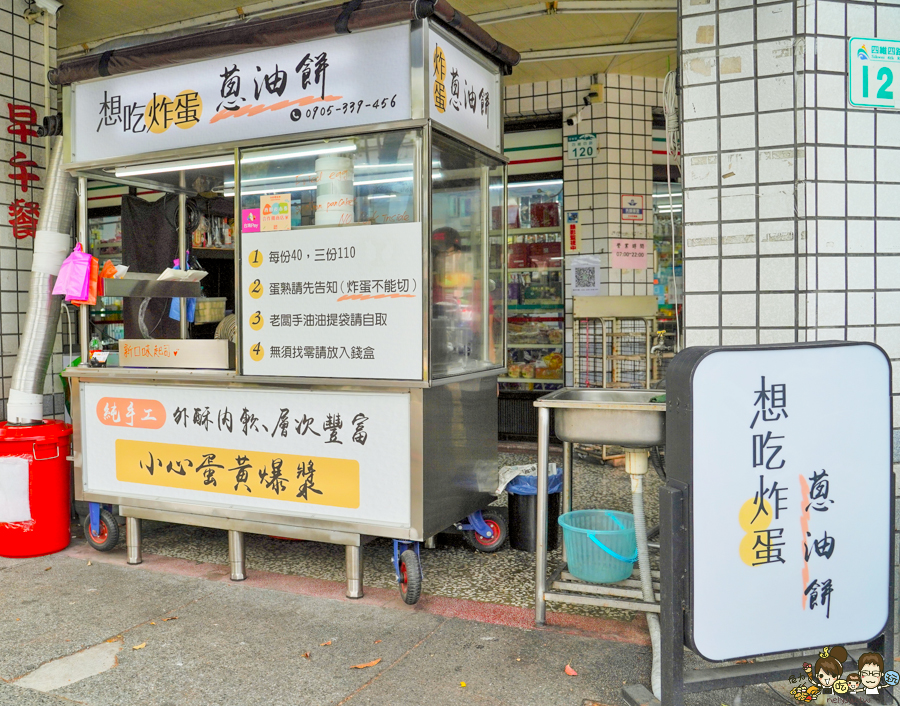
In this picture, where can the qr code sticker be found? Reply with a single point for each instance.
(585, 277)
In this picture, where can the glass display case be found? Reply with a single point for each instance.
(355, 199)
(535, 276)
(668, 279)
(105, 234)
(467, 299)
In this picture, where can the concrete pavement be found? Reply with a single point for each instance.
(206, 641)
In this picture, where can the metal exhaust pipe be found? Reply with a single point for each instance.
(52, 244)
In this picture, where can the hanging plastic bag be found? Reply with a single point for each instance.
(73, 279)
(175, 309)
(91, 297)
(107, 272)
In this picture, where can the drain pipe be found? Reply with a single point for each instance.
(52, 243)
(636, 466)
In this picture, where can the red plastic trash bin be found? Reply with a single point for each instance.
(46, 447)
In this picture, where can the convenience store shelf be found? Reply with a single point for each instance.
(529, 231)
(533, 381)
(534, 307)
(226, 253)
(510, 270)
(549, 346)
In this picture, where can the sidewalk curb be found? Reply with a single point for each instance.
(635, 632)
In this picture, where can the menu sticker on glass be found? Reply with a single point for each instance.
(250, 220)
(275, 212)
(334, 302)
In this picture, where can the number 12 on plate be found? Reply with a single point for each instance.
(874, 64)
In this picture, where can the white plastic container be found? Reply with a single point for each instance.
(335, 201)
(331, 210)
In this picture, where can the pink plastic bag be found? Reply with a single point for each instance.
(74, 279)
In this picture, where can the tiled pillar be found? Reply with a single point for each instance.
(21, 83)
(792, 217)
(791, 196)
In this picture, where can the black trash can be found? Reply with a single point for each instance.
(522, 492)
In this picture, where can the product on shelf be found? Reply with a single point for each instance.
(514, 370)
(553, 361)
(555, 336)
(518, 255)
(528, 370)
(512, 217)
(544, 215)
(545, 254)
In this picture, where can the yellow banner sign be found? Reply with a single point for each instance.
(302, 479)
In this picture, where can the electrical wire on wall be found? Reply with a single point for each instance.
(673, 152)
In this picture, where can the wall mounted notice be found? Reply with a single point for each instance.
(320, 85)
(629, 253)
(586, 276)
(633, 208)
(573, 233)
(338, 302)
(324, 454)
(465, 96)
(274, 212)
(874, 71)
(790, 519)
(582, 146)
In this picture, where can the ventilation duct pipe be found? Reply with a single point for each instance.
(52, 243)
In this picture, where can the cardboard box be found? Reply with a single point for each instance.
(544, 215)
(518, 256)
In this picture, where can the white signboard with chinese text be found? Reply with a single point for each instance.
(336, 302)
(465, 96)
(629, 253)
(791, 497)
(327, 455)
(874, 72)
(573, 233)
(357, 79)
(582, 146)
(633, 208)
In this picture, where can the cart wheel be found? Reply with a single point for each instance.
(497, 523)
(410, 577)
(108, 536)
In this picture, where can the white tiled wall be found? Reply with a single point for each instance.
(624, 165)
(822, 257)
(21, 82)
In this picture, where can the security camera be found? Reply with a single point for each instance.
(50, 6)
(573, 120)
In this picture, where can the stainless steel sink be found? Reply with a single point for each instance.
(617, 417)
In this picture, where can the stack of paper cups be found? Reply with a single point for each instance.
(335, 198)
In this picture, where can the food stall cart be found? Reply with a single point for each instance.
(355, 395)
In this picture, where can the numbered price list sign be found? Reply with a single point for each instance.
(874, 67)
(333, 302)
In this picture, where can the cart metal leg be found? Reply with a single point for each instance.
(430, 543)
(236, 556)
(566, 487)
(133, 540)
(540, 555)
(354, 572)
